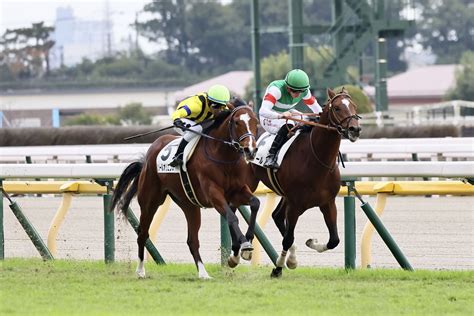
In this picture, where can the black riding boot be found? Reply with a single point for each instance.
(178, 158)
(280, 138)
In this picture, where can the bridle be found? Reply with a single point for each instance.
(234, 139)
(335, 122)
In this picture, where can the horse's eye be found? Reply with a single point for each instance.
(337, 109)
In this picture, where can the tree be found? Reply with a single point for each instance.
(446, 28)
(464, 89)
(134, 114)
(359, 97)
(26, 50)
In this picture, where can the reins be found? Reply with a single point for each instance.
(233, 143)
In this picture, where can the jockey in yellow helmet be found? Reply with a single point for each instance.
(194, 110)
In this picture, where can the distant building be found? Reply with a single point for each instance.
(419, 86)
(76, 38)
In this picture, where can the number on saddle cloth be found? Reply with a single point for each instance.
(165, 156)
(264, 143)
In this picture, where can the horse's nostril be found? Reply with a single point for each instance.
(355, 129)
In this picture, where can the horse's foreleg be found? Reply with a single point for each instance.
(234, 258)
(254, 203)
(278, 216)
(292, 216)
(220, 204)
(330, 217)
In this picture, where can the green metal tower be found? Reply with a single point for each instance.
(355, 25)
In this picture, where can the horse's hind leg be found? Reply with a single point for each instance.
(193, 219)
(330, 217)
(149, 202)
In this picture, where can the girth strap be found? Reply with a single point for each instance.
(188, 187)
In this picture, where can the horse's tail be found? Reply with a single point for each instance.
(126, 187)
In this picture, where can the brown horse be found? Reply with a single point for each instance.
(222, 179)
(309, 176)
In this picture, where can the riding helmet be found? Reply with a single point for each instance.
(218, 94)
(297, 79)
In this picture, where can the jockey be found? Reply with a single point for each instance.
(278, 104)
(194, 110)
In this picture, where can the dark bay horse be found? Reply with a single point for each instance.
(309, 175)
(221, 176)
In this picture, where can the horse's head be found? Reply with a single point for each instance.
(340, 112)
(243, 129)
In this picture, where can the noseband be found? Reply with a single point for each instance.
(336, 123)
(235, 141)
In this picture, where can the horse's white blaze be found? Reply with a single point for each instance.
(141, 269)
(346, 102)
(246, 118)
(202, 271)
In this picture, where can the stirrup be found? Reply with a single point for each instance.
(177, 161)
(271, 162)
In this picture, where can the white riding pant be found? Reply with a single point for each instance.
(188, 135)
(273, 125)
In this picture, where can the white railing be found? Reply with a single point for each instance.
(446, 169)
(447, 148)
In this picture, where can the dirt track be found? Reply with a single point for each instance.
(433, 233)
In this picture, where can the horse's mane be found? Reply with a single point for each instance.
(222, 116)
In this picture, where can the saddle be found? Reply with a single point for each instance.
(264, 143)
(165, 156)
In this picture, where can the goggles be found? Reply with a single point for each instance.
(296, 91)
(216, 106)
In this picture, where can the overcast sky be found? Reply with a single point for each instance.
(21, 13)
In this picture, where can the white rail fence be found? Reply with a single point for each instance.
(443, 169)
(435, 149)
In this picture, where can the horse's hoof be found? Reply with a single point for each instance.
(246, 246)
(232, 262)
(246, 255)
(276, 273)
(310, 242)
(291, 263)
(141, 274)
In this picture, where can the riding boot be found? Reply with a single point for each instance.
(280, 138)
(178, 158)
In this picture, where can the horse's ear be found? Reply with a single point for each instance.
(330, 93)
(344, 90)
(230, 106)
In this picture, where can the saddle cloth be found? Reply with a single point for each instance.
(264, 143)
(165, 156)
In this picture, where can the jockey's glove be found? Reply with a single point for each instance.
(180, 124)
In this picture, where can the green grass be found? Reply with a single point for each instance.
(34, 287)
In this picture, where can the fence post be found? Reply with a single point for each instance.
(2, 236)
(349, 227)
(29, 229)
(225, 241)
(386, 237)
(260, 235)
(132, 219)
(109, 227)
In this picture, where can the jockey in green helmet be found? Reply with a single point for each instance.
(278, 104)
